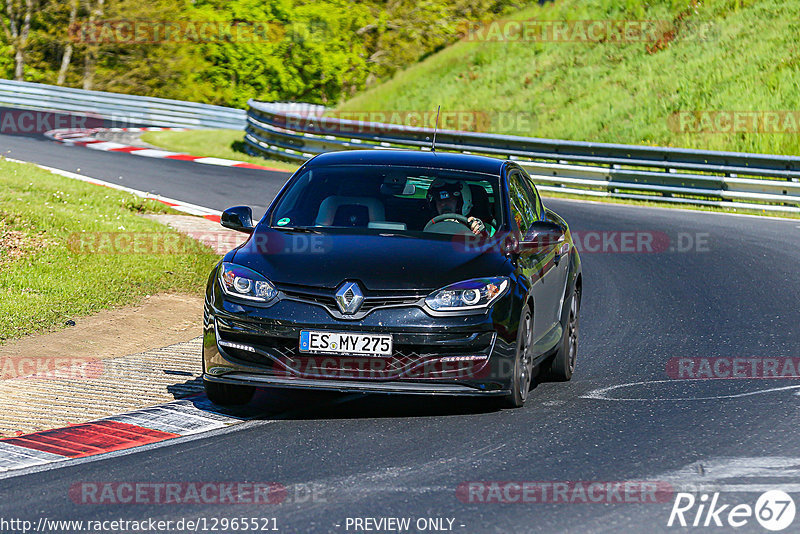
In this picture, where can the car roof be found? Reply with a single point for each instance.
(410, 158)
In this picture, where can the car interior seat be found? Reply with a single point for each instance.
(481, 208)
(349, 211)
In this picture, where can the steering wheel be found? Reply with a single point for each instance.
(450, 217)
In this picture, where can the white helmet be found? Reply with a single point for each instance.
(441, 189)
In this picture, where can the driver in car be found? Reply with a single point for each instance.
(456, 197)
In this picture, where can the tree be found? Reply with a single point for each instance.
(318, 51)
(67, 57)
(404, 31)
(90, 58)
(17, 27)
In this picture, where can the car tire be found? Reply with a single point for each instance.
(523, 368)
(228, 394)
(562, 364)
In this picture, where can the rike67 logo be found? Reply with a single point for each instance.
(774, 510)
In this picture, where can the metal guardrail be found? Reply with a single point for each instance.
(675, 175)
(121, 110)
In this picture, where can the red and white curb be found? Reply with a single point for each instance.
(119, 432)
(146, 426)
(84, 137)
(178, 205)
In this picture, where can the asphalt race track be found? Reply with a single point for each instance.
(204, 185)
(723, 286)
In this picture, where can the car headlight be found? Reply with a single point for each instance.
(467, 295)
(245, 283)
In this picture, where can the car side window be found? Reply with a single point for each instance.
(537, 201)
(523, 210)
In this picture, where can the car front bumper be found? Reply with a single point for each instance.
(453, 355)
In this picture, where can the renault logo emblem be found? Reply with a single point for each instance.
(349, 298)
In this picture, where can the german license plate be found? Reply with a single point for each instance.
(345, 343)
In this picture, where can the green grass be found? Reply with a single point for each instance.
(56, 278)
(619, 93)
(227, 144)
(726, 55)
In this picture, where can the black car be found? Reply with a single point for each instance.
(398, 272)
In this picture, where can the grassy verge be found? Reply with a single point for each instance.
(725, 55)
(225, 144)
(66, 250)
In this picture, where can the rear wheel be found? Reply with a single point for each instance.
(563, 363)
(228, 394)
(523, 363)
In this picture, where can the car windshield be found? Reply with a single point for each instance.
(380, 198)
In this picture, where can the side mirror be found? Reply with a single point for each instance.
(239, 218)
(542, 236)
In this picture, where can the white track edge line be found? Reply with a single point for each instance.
(68, 174)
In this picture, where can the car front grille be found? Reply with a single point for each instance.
(410, 361)
(373, 300)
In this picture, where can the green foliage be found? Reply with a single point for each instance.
(313, 51)
(303, 58)
(66, 271)
(6, 60)
(402, 32)
(725, 55)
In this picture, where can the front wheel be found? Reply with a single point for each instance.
(523, 363)
(228, 394)
(563, 363)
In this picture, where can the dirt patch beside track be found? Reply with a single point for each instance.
(158, 321)
(111, 362)
(108, 363)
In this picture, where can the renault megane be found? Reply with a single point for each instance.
(395, 272)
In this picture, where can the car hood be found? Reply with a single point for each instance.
(379, 262)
